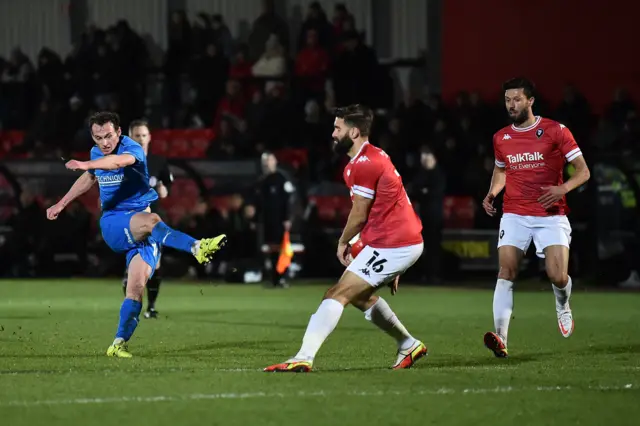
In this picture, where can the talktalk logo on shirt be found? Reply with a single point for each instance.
(525, 156)
(526, 160)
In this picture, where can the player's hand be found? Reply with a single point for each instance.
(54, 211)
(343, 253)
(487, 204)
(552, 194)
(394, 285)
(76, 165)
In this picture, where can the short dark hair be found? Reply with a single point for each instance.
(138, 123)
(104, 117)
(358, 116)
(527, 86)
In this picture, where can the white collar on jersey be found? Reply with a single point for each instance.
(359, 151)
(526, 129)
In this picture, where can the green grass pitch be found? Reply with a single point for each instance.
(200, 363)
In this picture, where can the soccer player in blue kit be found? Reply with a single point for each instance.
(119, 166)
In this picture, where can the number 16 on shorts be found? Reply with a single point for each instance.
(379, 266)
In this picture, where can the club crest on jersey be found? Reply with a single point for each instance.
(539, 133)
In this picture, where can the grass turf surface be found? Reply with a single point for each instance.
(200, 362)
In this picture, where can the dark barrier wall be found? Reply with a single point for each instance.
(591, 44)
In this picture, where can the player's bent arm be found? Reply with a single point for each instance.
(498, 180)
(112, 162)
(80, 186)
(581, 175)
(357, 218)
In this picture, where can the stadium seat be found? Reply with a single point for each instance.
(160, 142)
(200, 139)
(459, 212)
(293, 157)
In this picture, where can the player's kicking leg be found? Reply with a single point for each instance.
(355, 289)
(509, 259)
(144, 224)
(557, 266)
(138, 274)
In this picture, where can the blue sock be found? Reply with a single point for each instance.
(129, 317)
(171, 238)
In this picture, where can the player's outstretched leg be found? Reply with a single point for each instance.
(324, 321)
(557, 266)
(509, 257)
(139, 272)
(145, 224)
(378, 312)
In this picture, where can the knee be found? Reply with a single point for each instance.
(508, 273)
(558, 278)
(154, 219)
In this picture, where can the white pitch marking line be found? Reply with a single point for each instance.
(304, 394)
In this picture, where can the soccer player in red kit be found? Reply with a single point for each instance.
(530, 158)
(391, 233)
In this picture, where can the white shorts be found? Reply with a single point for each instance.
(380, 266)
(545, 231)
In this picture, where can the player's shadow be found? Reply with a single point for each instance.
(608, 349)
(281, 326)
(196, 350)
(444, 361)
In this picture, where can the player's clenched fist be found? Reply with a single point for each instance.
(76, 165)
(487, 204)
(54, 211)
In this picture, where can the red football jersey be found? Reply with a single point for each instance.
(392, 221)
(533, 157)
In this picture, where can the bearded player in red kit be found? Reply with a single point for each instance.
(391, 234)
(530, 156)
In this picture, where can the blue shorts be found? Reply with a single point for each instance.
(118, 236)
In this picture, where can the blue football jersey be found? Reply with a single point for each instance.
(126, 188)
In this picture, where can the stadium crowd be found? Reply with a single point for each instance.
(273, 90)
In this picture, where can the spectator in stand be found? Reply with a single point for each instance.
(343, 20)
(272, 63)
(619, 109)
(316, 20)
(222, 35)
(574, 112)
(177, 56)
(225, 144)
(50, 74)
(241, 67)
(277, 106)
(256, 112)
(343, 24)
(202, 33)
(103, 74)
(232, 104)
(19, 90)
(266, 24)
(208, 78)
(312, 67)
(351, 84)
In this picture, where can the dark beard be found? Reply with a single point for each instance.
(342, 146)
(520, 118)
